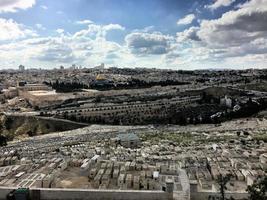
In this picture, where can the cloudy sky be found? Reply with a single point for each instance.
(176, 34)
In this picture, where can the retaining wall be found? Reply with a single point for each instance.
(83, 194)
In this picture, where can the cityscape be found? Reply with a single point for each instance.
(169, 112)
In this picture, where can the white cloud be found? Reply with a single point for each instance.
(237, 37)
(188, 34)
(55, 50)
(220, 3)
(95, 30)
(113, 27)
(67, 48)
(15, 5)
(188, 19)
(236, 27)
(40, 26)
(141, 43)
(86, 21)
(60, 30)
(237, 33)
(44, 7)
(12, 30)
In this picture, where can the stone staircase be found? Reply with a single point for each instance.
(180, 196)
(185, 193)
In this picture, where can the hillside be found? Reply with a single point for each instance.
(15, 127)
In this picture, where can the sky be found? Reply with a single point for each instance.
(168, 34)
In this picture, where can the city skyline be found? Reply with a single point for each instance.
(163, 34)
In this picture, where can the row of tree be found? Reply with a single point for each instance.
(65, 87)
(197, 114)
(108, 85)
(132, 84)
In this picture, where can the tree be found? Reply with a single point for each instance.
(98, 98)
(3, 140)
(257, 191)
(222, 181)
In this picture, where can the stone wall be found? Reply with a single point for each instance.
(4, 191)
(59, 194)
(82, 194)
(216, 196)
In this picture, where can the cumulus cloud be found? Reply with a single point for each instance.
(86, 21)
(188, 19)
(96, 31)
(66, 48)
(220, 3)
(40, 26)
(240, 32)
(53, 49)
(113, 27)
(15, 5)
(148, 43)
(60, 30)
(58, 53)
(188, 34)
(12, 30)
(236, 27)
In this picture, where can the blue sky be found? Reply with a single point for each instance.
(176, 34)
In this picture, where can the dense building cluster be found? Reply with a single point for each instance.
(139, 96)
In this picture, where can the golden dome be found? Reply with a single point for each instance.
(100, 77)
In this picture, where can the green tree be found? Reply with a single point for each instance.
(3, 140)
(222, 181)
(257, 191)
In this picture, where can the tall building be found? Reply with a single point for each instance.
(21, 68)
(101, 66)
(73, 66)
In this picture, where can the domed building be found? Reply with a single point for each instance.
(100, 77)
(101, 82)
